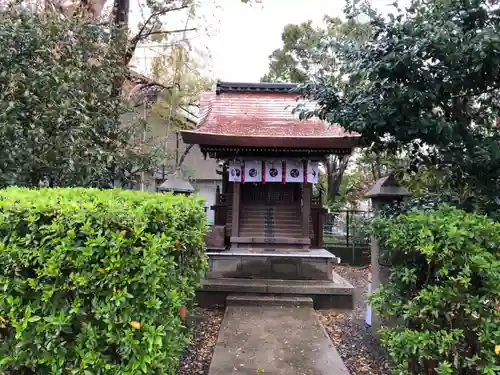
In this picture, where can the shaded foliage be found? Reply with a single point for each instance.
(443, 290)
(305, 53)
(60, 125)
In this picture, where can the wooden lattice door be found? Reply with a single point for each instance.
(271, 193)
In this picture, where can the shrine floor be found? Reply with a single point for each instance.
(274, 339)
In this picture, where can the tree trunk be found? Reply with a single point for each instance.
(335, 167)
(121, 9)
(334, 180)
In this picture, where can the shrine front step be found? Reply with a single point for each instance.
(245, 241)
(335, 294)
(255, 263)
(267, 300)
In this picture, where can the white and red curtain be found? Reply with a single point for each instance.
(253, 171)
(294, 171)
(273, 170)
(265, 171)
(235, 171)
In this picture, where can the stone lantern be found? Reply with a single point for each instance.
(176, 184)
(385, 191)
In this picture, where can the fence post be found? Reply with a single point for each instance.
(347, 229)
(385, 191)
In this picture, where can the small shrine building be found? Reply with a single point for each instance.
(270, 162)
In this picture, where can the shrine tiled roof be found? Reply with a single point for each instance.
(261, 114)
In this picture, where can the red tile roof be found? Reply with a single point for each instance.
(261, 114)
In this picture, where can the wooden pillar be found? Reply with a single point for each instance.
(225, 179)
(306, 208)
(235, 225)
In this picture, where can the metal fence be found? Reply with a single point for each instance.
(346, 234)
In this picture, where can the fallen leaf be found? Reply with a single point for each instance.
(55, 52)
(183, 312)
(94, 62)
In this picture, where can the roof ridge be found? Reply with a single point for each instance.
(206, 105)
(255, 87)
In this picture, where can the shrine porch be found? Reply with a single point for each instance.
(275, 273)
(280, 264)
(281, 271)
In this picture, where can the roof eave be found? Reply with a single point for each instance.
(210, 139)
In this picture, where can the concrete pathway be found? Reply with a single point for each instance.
(274, 340)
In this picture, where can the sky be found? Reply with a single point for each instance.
(249, 34)
(241, 37)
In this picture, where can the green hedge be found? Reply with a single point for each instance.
(91, 281)
(444, 290)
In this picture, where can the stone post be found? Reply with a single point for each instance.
(385, 191)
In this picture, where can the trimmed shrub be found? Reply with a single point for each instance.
(444, 290)
(92, 281)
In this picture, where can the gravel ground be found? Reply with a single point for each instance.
(358, 348)
(198, 355)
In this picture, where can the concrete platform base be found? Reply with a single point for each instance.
(274, 340)
(336, 293)
(260, 263)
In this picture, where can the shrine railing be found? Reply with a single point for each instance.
(346, 234)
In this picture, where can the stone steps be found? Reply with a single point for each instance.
(265, 300)
(325, 294)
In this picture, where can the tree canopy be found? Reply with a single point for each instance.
(306, 53)
(425, 82)
(59, 125)
(62, 121)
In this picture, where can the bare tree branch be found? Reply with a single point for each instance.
(168, 32)
(183, 156)
(187, 111)
(140, 35)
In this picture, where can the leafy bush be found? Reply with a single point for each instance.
(430, 201)
(63, 121)
(443, 288)
(91, 282)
